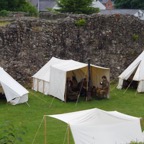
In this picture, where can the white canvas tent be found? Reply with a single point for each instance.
(51, 78)
(136, 68)
(139, 14)
(98, 126)
(14, 92)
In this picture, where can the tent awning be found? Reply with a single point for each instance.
(99, 126)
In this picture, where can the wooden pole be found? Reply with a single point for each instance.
(45, 140)
(127, 88)
(89, 81)
(68, 134)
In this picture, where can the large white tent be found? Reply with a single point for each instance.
(102, 127)
(14, 92)
(51, 78)
(136, 71)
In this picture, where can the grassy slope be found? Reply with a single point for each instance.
(31, 117)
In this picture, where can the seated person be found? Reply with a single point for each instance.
(70, 94)
(103, 91)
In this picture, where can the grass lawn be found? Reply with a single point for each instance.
(29, 117)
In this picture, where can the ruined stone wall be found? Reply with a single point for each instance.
(111, 41)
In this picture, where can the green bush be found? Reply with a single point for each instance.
(80, 22)
(4, 13)
(30, 9)
(135, 37)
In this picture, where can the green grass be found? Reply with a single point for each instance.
(30, 116)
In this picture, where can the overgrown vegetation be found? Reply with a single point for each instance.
(4, 13)
(135, 37)
(80, 22)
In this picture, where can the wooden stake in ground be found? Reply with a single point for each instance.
(45, 132)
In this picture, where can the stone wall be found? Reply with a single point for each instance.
(111, 41)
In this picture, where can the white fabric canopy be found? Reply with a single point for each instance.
(98, 126)
(136, 68)
(14, 92)
(51, 78)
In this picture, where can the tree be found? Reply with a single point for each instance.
(129, 4)
(11, 5)
(18, 5)
(76, 6)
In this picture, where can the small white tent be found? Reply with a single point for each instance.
(139, 14)
(135, 69)
(98, 126)
(51, 78)
(14, 92)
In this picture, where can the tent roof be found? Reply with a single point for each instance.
(99, 126)
(93, 117)
(69, 65)
(138, 65)
(63, 65)
(8, 81)
(44, 72)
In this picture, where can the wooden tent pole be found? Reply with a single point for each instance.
(45, 141)
(128, 87)
(68, 134)
(89, 81)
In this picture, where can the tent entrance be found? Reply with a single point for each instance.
(130, 83)
(73, 84)
(2, 95)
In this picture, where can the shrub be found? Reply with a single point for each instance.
(80, 22)
(135, 37)
(4, 13)
(29, 9)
